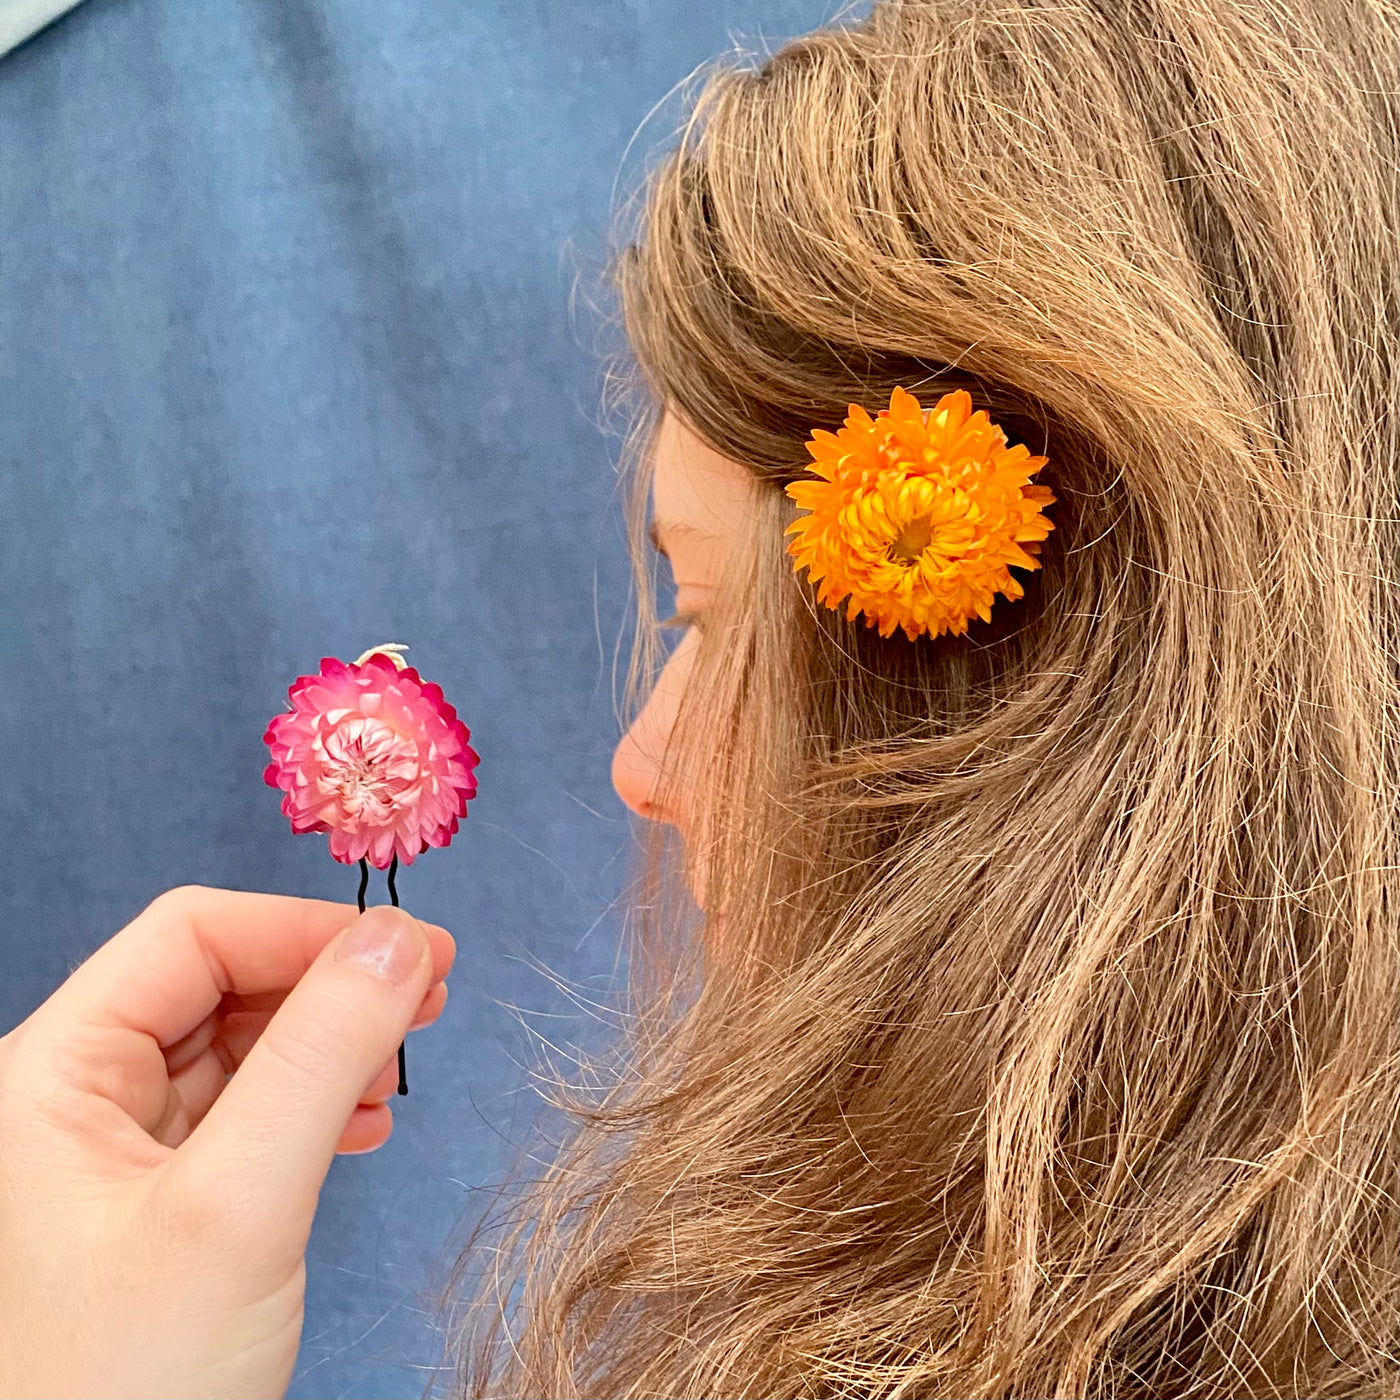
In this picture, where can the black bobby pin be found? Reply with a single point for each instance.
(394, 900)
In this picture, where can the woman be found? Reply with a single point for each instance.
(1036, 1031)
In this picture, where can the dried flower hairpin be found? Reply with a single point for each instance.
(375, 756)
(917, 515)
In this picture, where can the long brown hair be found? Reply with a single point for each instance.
(1038, 1037)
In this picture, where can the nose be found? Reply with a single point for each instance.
(637, 760)
(636, 772)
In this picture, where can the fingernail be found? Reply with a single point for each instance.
(385, 942)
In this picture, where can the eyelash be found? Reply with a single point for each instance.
(681, 620)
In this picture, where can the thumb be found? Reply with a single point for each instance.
(267, 1142)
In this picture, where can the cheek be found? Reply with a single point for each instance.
(637, 761)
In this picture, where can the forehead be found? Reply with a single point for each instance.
(692, 485)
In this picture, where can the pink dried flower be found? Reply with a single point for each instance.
(374, 756)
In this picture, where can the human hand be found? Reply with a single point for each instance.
(154, 1212)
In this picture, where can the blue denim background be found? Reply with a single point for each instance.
(289, 367)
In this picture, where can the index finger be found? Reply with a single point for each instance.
(172, 964)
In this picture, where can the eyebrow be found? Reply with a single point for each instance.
(659, 528)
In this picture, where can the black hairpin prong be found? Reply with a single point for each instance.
(394, 900)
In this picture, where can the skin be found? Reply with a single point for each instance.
(699, 504)
(171, 1111)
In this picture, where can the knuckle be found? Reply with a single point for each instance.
(306, 1047)
(178, 900)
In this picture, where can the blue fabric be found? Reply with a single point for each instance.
(288, 368)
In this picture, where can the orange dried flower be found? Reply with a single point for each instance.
(915, 519)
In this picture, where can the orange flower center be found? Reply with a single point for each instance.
(912, 540)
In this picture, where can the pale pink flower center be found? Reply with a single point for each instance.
(368, 768)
